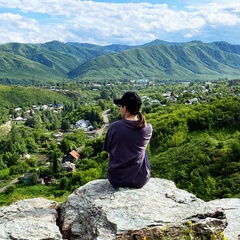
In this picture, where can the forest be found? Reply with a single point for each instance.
(195, 140)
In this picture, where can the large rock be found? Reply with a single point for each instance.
(32, 219)
(98, 211)
(231, 207)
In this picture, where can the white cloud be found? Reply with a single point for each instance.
(105, 23)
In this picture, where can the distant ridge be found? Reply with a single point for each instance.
(157, 60)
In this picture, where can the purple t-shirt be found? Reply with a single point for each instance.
(126, 145)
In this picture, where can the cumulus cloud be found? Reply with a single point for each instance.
(125, 23)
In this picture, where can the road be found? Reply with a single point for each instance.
(9, 184)
(106, 123)
(5, 128)
(99, 132)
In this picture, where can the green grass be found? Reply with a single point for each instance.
(4, 130)
(25, 191)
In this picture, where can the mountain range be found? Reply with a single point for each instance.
(23, 63)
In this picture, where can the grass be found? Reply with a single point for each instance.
(24, 191)
(4, 130)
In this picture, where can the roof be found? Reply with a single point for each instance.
(68, 165)
(75, 154)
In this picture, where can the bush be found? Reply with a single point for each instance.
(9, 189)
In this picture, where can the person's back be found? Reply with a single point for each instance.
(126, 144)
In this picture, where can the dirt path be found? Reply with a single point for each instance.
(106, 123)
(9, 184)
(5, 128)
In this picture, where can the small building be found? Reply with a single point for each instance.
(44, 107)
(58, 134)
(18, 109)
(69, 166)
(155, 101)
(71, 156)
(81, 124)
(28, 177)
(19, 119)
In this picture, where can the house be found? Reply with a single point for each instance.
(155, 101)
(81, 124)
(75, 154)
(144, 81)
(29, 176)
(71, 156)
(58, 135)
(18, 109)
(58, 106)
(44, 107)
(69, 166)
(90, 128)
(19, 119)
(193, 100)
(166, 94)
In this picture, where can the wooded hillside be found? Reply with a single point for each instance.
(29, 64)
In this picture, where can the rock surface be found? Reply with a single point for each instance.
(231, 207)
(97, 211)
(32, 219)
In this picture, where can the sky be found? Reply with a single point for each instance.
(106, 22)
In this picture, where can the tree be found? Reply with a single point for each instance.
(87, 152)
(33, 178)
(63, 183)
(65, 124)
(56, 123)
(10, 158)
(104, 94)
(31, 145)
(53, 155)
(2, 164)
(67, 145)
(101, 104)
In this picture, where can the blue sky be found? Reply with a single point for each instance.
(106, 22)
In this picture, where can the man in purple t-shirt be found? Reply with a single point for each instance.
(126, 142)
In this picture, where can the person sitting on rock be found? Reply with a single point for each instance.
(126, 142)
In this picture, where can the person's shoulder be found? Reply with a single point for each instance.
(149, 125)
(116, 123)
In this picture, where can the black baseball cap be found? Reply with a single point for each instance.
(129, 99)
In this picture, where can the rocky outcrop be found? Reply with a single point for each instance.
(97, 211)
(32, 219)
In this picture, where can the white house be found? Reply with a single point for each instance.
(81, 124)
(155, 101)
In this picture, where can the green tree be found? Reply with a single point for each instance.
(56, 123)
(67, 145)
(54, 155)
(65, 124)
(2, 163)
(63, 183)
(87, 152)
(31, 145)
(33, 178)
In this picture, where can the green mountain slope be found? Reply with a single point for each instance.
(164, 61)
(16, 66)
(18, 96)
(158, 60)
(43, 62)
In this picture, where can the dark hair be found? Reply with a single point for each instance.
(141, 121)
(133, 102)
